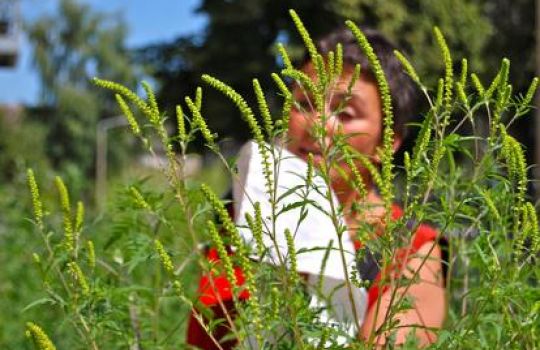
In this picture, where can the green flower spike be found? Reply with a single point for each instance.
(64, 196)
(248, 116)
(501, 104)
(223, 215)
(200, 123)
(534, 230)
(440, 94)
(240, 103)
(331, 66)
(178, 288)
(309, 175)
(69, 239)
(284, 56)
(154, 110)
(241, 254)
(164, 257)
(530, 229)
(125, 92)
(287, 103)
(449, 72)
(407, 166)
(339, 60)
(407, 66)
(514, 156)
(282, 87)
(307, 84)
(493, 86)
(36, 258)
(312, 50)
(78, 276)
(255, 225)
(354, 78)
(39, 337)
(437, 157)
(422, 141)
(91, 254)
(128, 114)
(357, 178)
(293, 268)
(139, 199)
(504, 73)
(180, 124)
(478, 85)
(490, 204)
(530, 93)
(368, 164)
(387, 154)
(217, 240)
(463, 75)
(275, 298)
(36, 198)
(198, 98)
(263, 108)
(462, 95)
(79, 216)
(259, 227)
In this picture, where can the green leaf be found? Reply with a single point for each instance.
(39, 302)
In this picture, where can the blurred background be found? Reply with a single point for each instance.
(51, 116)
(54, 120)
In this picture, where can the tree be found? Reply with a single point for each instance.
(240, 39)
(69, 48)
(513, 37)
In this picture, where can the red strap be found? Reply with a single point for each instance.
(210, 294)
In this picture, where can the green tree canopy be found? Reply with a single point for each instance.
(70, 47)
(239, 42)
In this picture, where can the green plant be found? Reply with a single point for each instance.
(472, 187)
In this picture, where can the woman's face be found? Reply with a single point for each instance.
(360, 118)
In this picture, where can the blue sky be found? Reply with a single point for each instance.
(148, 20)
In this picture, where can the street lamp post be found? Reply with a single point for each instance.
(103, 127)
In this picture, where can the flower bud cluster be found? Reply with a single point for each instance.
(164, 257)
(387, 154)
(128, 114)
(78, 276)
(69, 238)
(36, 198)
(39, 337)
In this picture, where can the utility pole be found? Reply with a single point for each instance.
(102, 129)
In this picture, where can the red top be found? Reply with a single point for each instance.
(210, 295)
(423, 235)
(222, 288)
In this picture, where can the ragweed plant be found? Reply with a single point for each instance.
(470, 186)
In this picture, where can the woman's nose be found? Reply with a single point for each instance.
(316, 123)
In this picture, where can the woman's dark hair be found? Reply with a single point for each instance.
(402, 88)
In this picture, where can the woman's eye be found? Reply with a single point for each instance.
(345, 116)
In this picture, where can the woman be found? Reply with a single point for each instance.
(360, 118)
